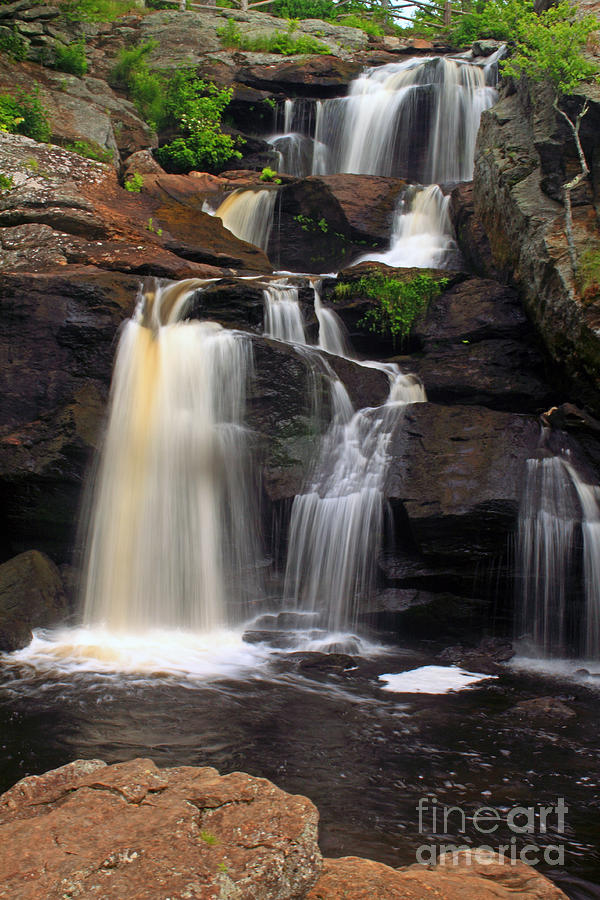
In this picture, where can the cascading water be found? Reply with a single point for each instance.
(332, 334)
(416, 119)
(422, 233)
(336, 523)
(172, 537)
(559, 511)
(249, 215)
(283, 316)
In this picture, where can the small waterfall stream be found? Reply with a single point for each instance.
(422, 234)
(249, 215)
(558, 546)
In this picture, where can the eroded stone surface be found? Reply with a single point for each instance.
(131, 830)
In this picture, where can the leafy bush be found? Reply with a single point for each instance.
(23, 113)
(282, 42)
(6, 182)
(400, 302)
(145, 87)
(303, 9)
(549, 48)
(134, 183)
(268, 174)
(97, 10)
(13, 45)
(195, 107)
(367, 25)
(71, 59)
(91, 150)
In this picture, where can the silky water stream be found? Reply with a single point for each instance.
(172, 658)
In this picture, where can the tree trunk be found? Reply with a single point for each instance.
(575, 182)
(448, 13)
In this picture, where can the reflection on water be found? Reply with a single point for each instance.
(316, 723)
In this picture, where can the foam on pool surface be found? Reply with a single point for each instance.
(431, 680)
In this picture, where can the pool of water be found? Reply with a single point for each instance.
(325, 725)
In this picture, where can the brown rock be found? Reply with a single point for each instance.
(31, 596)
(133, 831)
(477, 876)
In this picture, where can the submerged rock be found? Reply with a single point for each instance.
(31, 596)
(133, 830)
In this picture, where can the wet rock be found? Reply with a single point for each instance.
(476, 875)
(486, 657)
(485, 47)
(31, 596)
(455, 477)
(326, 221)
(57, 338)
(425, 615)
(132, 830)
(470, 234)
(502, 374)
(473, 310)
(543, 708)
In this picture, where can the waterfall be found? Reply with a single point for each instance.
(172, 537)
(249, 215)
(422, 233)
(416, 119)
(559, 509)
(332, 334)
(337, 522)
(294, 143)
(283, 316)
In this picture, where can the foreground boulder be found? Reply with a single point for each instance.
(480, 876)
(132, 830)
(31, 596)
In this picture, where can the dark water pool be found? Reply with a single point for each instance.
(366, 757)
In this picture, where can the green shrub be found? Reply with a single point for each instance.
(303, 9)
(97, 10)
(268, 174)
(23, 113)
(195, 108)
(6, 182)
(145, 87)
(282, 42)
(71, 59)
(399, 302)
(134, 183)
(13, 45)
(91, 150)
(230, 34)
(367, 25)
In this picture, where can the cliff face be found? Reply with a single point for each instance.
(524, 154)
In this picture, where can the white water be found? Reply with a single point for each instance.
(432, 680)
(337, 522)
(558, 505)
(172, 535)
(422, 233)
(249, 215)
(283, 315)
(372, 131)
(332, 333)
